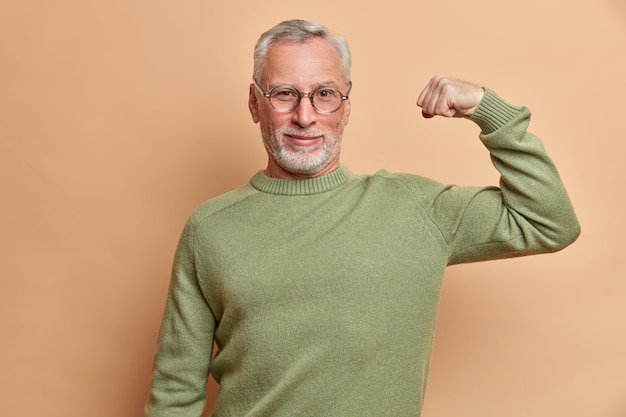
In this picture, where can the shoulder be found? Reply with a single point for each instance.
(413, 183)
(220, 203)
(434, 197)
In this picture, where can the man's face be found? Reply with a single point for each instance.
(301, 143)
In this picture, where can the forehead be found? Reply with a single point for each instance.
(303, 64)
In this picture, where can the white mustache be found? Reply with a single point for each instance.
(311, 133)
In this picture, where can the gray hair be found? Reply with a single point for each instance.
(299, 31)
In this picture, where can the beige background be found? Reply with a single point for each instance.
(118, 118)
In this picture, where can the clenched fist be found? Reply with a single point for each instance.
(448, 97)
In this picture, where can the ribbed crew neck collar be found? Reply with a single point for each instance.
(306, 186)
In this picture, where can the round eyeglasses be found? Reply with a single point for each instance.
(285, 98)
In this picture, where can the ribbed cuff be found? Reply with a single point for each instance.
(493, 112)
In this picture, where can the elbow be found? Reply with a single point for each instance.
(574, 231)
(569, 236)
(564, 235)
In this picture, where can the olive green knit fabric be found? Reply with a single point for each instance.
(322, 294)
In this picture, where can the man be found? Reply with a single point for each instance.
(320, 287)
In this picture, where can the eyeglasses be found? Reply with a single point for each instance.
(324, 100)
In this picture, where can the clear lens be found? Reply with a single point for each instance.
(284, 99)
(327, 99)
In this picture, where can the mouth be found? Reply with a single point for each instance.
(300, 140)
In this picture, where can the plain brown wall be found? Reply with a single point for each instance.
(118, 118)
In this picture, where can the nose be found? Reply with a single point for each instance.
(305, 114)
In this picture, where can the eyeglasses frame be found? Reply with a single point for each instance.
(268, 96)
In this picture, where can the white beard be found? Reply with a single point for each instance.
(307, 160)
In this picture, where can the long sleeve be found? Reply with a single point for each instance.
(529, 213)
(183, 356)
(326, 289)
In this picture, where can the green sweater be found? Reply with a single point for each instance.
(322, 294)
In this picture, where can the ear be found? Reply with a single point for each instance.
(346, 111)
(253, 104)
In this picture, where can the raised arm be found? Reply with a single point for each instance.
(530, 212)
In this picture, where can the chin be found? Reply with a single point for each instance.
(301, 164)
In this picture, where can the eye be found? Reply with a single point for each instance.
(327, 94)
(284, 94)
